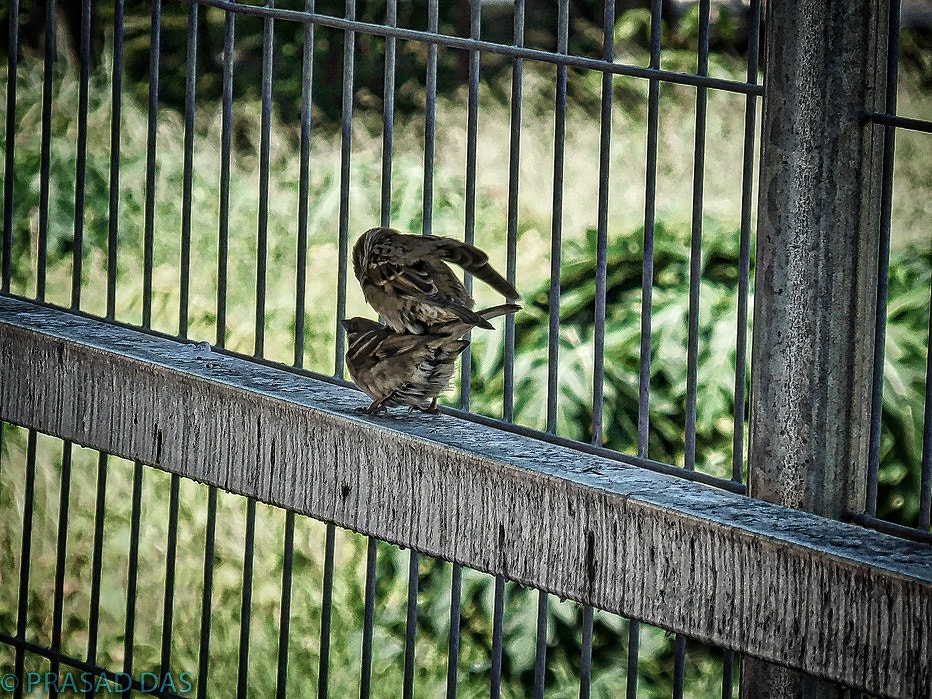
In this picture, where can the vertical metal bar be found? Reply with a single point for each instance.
(307, 82)
(265, 137)
(728, 673)
(155, 48)
(679, 666)
(925, 484)
(388, 115)
(100, 510)
(326, 607)
(585, 673)
(514, 168)
(190, 100)
(365, 683)
(249, 549)
(472, 127)
(647, 290)
(388, 132)
(498, 637)
(601, 266)
(601, 271)
(25, 558)
(411, 624)
(695, 253)
(744, 251)
(80, 174)
(132, 569)
(472, 132)
(9, 159)
(453, 651)
(430, 119)
(284, 625)
(113, 223)
(650, 204)
(556, 233)
(540, 653)
(226, 137)
(815, 286)
(171, 548)
(61, 555)
(346, 132)
(2, 449)
(203, 658)
(634, 643)
(883, 261)
(45, 165)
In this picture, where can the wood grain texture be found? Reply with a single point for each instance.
(835, 600)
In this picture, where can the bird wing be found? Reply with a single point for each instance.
(412, 268)
(411, 280)
(373, 348)
(399, 264)
(419, 282)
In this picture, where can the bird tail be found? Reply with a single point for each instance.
(500, 310)
(476, 262)
(467, 319)
(458, 328)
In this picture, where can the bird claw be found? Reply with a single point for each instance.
(371, 409)
(432, 410)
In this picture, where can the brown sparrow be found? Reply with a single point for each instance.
(405, 278)
(404, 369)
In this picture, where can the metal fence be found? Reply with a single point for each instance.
(600, 372)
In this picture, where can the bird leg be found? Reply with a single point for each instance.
(377, 406)
(432, 409)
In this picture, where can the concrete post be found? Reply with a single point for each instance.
(815, 285)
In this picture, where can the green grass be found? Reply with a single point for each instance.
(910, 280)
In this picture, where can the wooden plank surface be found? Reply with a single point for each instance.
(830, 598)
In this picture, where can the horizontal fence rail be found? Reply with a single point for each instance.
(619, 538)
(475, 44)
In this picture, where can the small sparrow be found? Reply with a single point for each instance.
(405, 278)
(403, 369)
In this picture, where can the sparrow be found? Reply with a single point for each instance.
(395, 368)
(405, 278)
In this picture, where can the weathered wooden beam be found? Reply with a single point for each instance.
(830, 598)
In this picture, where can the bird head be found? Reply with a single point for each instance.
(356, 326)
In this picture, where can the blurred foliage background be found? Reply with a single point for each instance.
(906, 349)
(729, 34)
